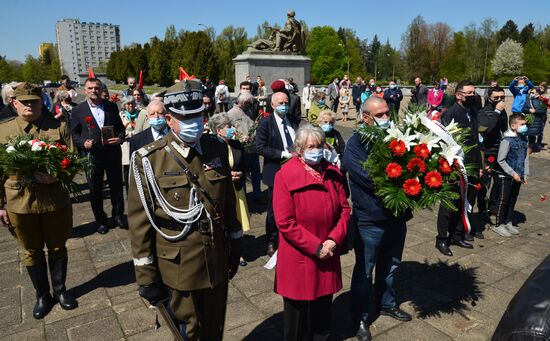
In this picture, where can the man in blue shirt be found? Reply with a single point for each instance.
(380, 236)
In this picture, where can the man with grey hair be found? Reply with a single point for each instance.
(7, 98)
(238, 116)
(275, 136)
(157, 127)
(380, 236)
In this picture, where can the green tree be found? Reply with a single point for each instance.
(527, 33)
(453, 65)
(488, 42)
(416, 48)
(508, 60)
(326, 58)
(32, 70)
(352, 52)
(159, 64)
(535, 62)
(508, 31)
(231, 42)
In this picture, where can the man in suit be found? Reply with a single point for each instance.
(333, 93)
(88, 120)
(156, 116)
(274, 139)
(450, 229)
(294, 104)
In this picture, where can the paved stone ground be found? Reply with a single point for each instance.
(451, 298)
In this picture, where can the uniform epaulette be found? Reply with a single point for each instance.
(7, 119)
(151, 147)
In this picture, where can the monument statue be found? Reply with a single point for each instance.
(290, 38)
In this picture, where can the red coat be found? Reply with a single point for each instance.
(308, 212)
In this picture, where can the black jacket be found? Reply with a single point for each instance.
(491, 125)
(527, 317)
(269, 144)
(466, 119)
(81, 133)
(141, 139)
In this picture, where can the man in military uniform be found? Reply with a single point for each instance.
(42, 213)
(182, 217)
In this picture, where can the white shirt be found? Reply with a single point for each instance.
(98, 113)
(157, 135)
(291, 131)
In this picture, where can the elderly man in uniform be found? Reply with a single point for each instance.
(38, 214)
(183, 223)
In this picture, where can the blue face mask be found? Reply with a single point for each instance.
(157, 123)
(523, 129)
(313, 156)
(382, 123)
(327, 127)
(191, 130)
(282, 110)
(322, 102)
(229, 133)
(521, 86)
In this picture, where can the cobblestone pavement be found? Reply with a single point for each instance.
(451, 298)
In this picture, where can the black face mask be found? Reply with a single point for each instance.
(469, 101)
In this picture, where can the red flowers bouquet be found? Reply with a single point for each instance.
(23, 156)
(414, 164)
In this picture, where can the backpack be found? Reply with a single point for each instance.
(519, 102)
(221, 95)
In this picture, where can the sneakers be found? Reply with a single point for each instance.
(501, 229)
(512, 229)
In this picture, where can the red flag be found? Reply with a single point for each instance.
(184, 75)
(140, 83)
(91, 73)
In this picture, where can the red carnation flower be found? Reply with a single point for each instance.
(393, 170)
(433, 179)
(416, 163)
(444, 167)
(543, 198)
(491, 159)
(422, 151)
(412, 187)
(88, 119)
(65, 163)
(478, 186)
(398, 147)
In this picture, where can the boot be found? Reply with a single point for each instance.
(58, 273)
(39, 278)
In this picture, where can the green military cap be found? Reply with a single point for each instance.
(184, 97)
(27, 92)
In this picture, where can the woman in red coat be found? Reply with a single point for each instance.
(312, 214)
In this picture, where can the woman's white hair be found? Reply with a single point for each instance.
(304, 132)
(127, 100)
(326, 113)
(7, 92)
(218, 121)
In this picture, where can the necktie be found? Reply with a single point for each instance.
(289, 142)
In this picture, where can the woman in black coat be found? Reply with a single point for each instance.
(534, 106)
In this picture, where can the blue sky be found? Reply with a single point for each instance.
(25, 24)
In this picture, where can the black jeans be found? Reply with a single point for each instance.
(508, 195)
(307, 320)
(270, 225)
(114, 179)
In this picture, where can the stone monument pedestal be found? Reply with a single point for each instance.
(272, 66)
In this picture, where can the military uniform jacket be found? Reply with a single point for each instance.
(37, 198)
(200, 260)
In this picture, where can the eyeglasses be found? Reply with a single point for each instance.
(468, 93)
(498, 98)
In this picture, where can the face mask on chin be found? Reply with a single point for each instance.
(191, 130)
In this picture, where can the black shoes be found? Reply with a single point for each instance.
(396, 313)
(462, 243)
(39, 278)
(58, 275)
(479, 235)
(102, 229)
(443, 248)
(270, 249)
(121, 222)
(468, 237)
(363, 333)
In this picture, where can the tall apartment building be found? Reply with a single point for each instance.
(84, 45)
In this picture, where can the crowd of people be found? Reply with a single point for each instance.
(184, 155)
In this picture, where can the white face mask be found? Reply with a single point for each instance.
(191, 130)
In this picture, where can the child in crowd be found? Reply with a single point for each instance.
(513, 158)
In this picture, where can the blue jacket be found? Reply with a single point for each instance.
(367, 207)
(516, 91)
